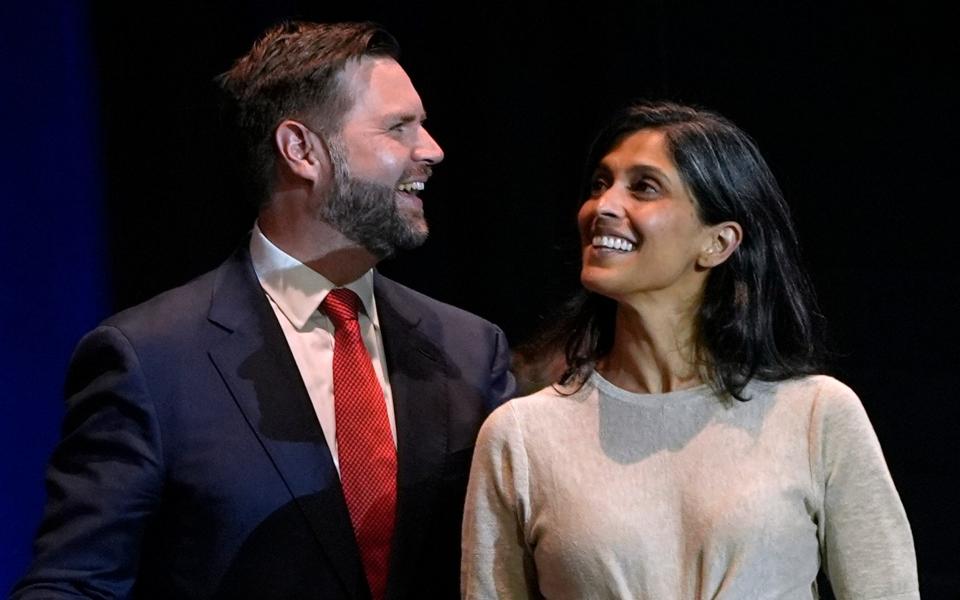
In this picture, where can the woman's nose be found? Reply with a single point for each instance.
(610, 204)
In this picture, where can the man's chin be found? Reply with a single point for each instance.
(411, 237)
(415, 238)
(416, 228)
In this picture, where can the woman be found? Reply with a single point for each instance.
(689, 450)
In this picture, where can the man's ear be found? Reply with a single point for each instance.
(301, 151)
(723, 239)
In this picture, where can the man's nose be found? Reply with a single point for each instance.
(427, 149)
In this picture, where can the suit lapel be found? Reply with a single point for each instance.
(261, 374)
(418, 386)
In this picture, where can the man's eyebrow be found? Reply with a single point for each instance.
(405, 117)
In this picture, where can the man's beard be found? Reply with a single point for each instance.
(367, 212)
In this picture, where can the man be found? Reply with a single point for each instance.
(260, 432)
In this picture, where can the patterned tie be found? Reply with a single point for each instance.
(365, 448)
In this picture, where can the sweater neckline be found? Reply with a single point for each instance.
(699, 394)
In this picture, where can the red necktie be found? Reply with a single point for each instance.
(365, 448)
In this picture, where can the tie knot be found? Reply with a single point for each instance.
(341, 305)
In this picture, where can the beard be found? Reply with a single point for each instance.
(369, 213)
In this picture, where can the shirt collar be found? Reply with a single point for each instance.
(297, 289)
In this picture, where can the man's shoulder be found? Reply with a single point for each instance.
(183, 301)
(409, 301)
(181, 307)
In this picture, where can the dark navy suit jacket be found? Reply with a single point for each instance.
(192, 464)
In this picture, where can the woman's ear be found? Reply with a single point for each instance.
(723, 239)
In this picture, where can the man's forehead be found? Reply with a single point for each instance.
(378, 86)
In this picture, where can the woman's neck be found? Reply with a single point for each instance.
(654, 350)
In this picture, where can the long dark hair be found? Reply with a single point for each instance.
(759, 316)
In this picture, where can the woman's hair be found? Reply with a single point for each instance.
(759, 316)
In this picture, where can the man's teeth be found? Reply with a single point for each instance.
(613, 243)
(413, 186)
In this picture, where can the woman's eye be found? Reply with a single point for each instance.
(597, 186)
(645, 188)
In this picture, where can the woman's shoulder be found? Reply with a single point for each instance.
(821, 388)
(546, 404)
(823, 394)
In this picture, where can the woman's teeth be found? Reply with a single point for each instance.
(613, 243)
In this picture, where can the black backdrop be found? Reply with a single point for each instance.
(850, 104)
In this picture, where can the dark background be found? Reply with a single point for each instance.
(120, 184)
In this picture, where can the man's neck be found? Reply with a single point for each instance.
(317, 245)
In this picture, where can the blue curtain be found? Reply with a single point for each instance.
(52, 243)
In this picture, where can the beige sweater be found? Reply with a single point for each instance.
(610, 494)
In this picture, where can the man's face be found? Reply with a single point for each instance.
(381, 159)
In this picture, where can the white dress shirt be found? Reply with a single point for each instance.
(295, 292)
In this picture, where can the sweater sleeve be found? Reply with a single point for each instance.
(496, 559)
(865, 538)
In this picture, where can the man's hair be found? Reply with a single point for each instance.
(292, 72)
(759, 316)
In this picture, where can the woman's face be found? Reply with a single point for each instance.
(639, 229)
